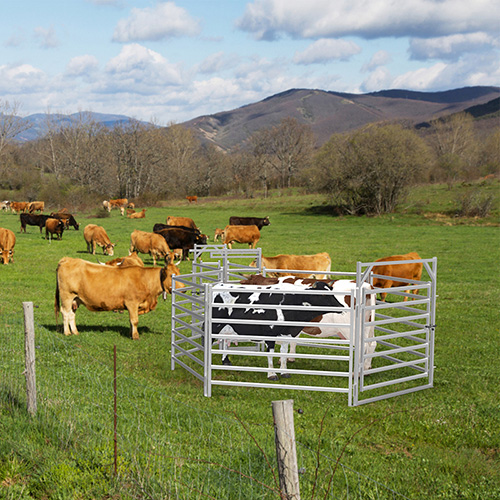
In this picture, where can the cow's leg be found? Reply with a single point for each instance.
(271, 375)
(293, 350)
(68, 314)
(134, 321)
(283, 359)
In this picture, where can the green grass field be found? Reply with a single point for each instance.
(439, 443)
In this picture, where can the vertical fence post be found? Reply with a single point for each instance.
(284, 434)
(29, 356)
(115, 439)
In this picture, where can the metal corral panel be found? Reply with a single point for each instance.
(386, 348)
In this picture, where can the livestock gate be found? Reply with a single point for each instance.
(387, 349)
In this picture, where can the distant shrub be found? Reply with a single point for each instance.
(473, 204)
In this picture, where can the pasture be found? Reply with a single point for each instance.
(441, 443)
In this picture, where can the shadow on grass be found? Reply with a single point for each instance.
(123, 331)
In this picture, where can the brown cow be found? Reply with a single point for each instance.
(320, 262)
(192, 199)
(409, 271)
(118, 202)
(137, 215)
(181, 221)
(131, 260)
(19, 206)
(36, 206)
(109, 288)
(54, 226)
(241, 234)
(7, 243)
(151, 243)
(96, 235)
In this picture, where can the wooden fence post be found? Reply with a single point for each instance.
(284, 434)
(29, 357)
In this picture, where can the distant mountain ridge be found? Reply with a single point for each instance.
(38, 122)
(327, 112)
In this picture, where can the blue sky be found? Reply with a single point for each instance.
(170, 61)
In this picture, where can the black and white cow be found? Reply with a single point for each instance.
(257, 300)
(334, 323)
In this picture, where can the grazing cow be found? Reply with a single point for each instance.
(33, 220)
(96, 235)
(106, 205)
(117, 203)
(131, 260)
(409, 271)
(315, 305)
(241, 234)
(181, 221)
(67, 218)
(260, 222)
(138, 215)
(5, 205)
(219, 233)
(7, 243)
(36, 206)
(320, 262)
(54, 226)
(19, 206)
(150, 243)
(192, 199)
(182, 238)
(109, 288)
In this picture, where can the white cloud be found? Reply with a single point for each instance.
(450, 47)
(139, 65)
(380, 58)
(82, 65)
(217, 62)
(326, 50)
(163, 21)
(270, 19)
(21, 78)
(46, 37)
(379, 79)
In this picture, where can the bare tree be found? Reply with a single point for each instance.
(11, 124)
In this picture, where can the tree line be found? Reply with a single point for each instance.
(365, 171)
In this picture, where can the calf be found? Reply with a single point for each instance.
(137, 215)
(241, 234)
(192, 199)
(410, 271)
(7, 243)
(67, 218)
(150, 243)
(54, 226)
(96, 236)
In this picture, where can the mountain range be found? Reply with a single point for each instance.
(326, 112)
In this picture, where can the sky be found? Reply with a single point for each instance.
(171, 61)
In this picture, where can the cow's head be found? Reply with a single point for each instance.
(266, 222)
(109, 249)
(169, 270)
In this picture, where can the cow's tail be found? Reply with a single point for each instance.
(57, 303)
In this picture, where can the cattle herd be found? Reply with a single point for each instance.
(125, 283)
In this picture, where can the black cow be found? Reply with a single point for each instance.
(33, 220)
(260, 222)
(182, 238)
(317, 305)
(68, 220)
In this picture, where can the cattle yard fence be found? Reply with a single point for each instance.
(402, 329)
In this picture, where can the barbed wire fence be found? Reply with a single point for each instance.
(165, 448)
